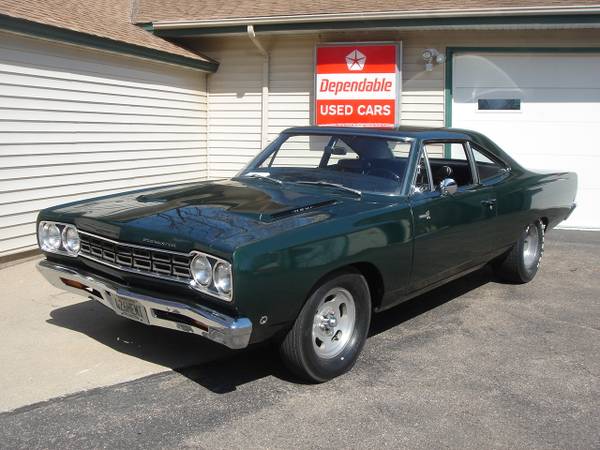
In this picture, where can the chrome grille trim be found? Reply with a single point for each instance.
(148, 261)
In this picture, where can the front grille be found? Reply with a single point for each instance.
(132, 258)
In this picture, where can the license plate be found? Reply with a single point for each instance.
(130, 309)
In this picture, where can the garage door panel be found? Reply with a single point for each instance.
(556, 126)
(535, 102)
(526, 71)
(587, 199)
(77, 123)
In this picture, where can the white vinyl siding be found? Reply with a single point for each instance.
(234, 107)
(78, 123)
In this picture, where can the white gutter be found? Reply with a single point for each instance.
(264, 116)
(376, 15)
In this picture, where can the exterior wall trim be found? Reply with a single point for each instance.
(53, 33)
(207, 28)
(449, 74)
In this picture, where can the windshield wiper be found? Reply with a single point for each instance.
(334, 185)
(263, 177)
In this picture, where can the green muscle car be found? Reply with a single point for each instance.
(324, 227)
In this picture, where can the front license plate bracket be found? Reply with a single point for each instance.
(130, 308)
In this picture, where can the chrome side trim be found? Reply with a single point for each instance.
(229, 331)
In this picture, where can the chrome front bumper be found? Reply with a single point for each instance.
(231, 332)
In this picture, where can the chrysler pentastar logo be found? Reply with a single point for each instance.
(161, 243)
(355, 60)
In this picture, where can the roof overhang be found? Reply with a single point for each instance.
(52, 33)
(502, 18)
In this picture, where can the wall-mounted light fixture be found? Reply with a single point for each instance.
(431, 56)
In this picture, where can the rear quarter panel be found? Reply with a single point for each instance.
(526, 196)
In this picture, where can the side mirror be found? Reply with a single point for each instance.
(339, 151)
(448, 186)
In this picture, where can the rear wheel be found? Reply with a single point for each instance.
(331, 329)
(522, 262)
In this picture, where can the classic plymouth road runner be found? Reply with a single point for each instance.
(322, 228)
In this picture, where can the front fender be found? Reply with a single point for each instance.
(274, 278)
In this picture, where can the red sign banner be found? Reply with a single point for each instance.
(357, 85)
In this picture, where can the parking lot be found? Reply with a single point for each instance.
(474, 364)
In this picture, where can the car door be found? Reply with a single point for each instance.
(493, 174)
(451, 230)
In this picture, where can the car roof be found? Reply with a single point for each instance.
(397, 132)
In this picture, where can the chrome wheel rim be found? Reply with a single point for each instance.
(531, 246)
(333, 324)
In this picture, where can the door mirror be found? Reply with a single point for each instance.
(448, 186)
(339, 151)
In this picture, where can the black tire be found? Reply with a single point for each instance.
(519, 266)
(300, 349)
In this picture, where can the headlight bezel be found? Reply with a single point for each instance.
(62, 248)
(211, 288)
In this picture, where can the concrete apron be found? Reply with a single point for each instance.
(54, 343)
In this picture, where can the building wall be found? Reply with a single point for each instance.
(78, 123)
(234, 92)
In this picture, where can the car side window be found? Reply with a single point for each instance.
(486, 166)
(449, 160)
(422, 183)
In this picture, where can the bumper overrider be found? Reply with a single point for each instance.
(231, 332)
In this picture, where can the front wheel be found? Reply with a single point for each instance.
(522, 262)
(331, 329)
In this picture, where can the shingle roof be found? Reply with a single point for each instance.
(110, 19)
(157, 10)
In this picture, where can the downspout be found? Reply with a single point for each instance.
(264, 116)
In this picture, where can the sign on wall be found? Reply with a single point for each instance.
(357, 85)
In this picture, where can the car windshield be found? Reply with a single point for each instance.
(354, 163)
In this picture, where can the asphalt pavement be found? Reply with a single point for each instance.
(474, 364)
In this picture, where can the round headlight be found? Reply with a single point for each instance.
(49, 237)
(70, 240)
(201, 270)
(222, 278)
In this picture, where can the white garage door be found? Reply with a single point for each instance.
(77, 123)
(543, 109)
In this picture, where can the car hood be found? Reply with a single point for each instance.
(220, 215)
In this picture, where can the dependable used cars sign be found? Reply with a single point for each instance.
(357, 85)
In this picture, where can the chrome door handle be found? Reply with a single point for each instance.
(489, 203)
(426, 216)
